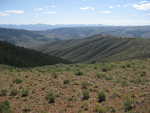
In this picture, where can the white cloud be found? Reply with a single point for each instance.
(105, 12)
(44, 8)
(51, 6)
(87, 8)
(14, 11)
(9, 12)
(118, 5)
(144, 1)
(3, 14)
(142, 6)
(111, 7)
(50, 12)
(38, 9)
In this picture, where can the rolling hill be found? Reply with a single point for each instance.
(83, 32)
(21, 57)
(99, 48)
(31, 39)
(41, 27)
(22, 37)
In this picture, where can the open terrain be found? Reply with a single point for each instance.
(98, 48)
(74, 56)
(95, 74)
(117, 87)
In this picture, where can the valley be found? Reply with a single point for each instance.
(85, 72)
(74, 56)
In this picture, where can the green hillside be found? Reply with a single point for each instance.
(22, 37)
(31, 39)
(21, 57)
(99, 48)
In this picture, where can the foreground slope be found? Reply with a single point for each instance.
(99, 48)
(21, 57)
(122, 87)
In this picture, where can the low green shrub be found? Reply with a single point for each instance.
(18, 81)
(86, 95)
(51, 97)
(101, 96)
(3, 92)
(66, 81)
(100, 109)
(54, 75)
(85, 85)
(24, 92)
(105, 69)
(100, 75)
(129, 104)
(5, 107)
(14, 92)
(78, 73)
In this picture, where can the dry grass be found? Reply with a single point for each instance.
(122, 79)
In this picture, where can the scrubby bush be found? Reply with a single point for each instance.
(85, 85)
(13, 92)
(3, 92)
(51, 97)
(128, 104)
(24, 92)
(101, 96)
(112, 110)
(5, 107)
(86, 95)
(66, 81)
(128, 65)
(78, 73)
(104, 69)
(18, 81)
(54, 75)
(143, 74)
(85, 106)
(100, 109)
(100, 75)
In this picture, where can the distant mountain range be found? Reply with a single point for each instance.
(23, 38)
(40, 27)
(62, 32)
(84, 32)
(99, 48)
(31, 39)
(21, 57)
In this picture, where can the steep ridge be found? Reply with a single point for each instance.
(99, 48)
(21, 57)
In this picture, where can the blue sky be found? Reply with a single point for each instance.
(110, 12)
